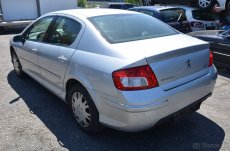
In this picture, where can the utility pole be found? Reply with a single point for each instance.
(38, 7)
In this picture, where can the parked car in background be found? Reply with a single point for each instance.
(202, 4)
(135, 72)
(219, 43)
(173, 16)
(200, 19)
(120, 5)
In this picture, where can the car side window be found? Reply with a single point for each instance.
(64, 31)
(38, 30)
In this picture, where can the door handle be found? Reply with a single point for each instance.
(62, 58)
(34, 50)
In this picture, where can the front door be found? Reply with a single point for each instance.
(33, 38)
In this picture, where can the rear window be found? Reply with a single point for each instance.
(203, 15)
(130, 27)
(173, 15)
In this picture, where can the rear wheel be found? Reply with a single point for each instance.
(84, 110)
(206, 4)
(17, 65)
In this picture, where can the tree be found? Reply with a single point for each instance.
(82, 3)
(136, 2)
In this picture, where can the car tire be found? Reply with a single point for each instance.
(206, 4)
(17, 65)
(84, 110)
(148, 2)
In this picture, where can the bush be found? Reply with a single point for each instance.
(135, 2)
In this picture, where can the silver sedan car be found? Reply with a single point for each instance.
(115, 68)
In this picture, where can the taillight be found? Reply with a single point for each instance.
(196, 24)
(137, 78)
(210, 59)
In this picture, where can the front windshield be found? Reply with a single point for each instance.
(130, 27)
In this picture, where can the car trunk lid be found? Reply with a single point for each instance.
(175, 60)
(178, 67)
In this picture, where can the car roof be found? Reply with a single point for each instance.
(91, 12)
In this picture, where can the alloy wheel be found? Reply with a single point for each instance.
(204, 3)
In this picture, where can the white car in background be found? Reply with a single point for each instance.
(200, 19)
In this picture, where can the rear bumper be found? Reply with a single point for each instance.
(183, 112)
(138, 116)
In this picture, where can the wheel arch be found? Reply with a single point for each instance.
(71, 82)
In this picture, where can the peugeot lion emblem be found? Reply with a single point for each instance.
(188, 62)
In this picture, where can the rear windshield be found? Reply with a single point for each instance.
(173, 15)
(203, 15)
(130, 27)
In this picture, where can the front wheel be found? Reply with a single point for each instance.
(206, 4)
(17, 65)
(84, 110)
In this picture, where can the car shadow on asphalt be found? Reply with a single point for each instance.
(195, 132)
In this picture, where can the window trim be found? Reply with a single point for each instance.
(77, 39)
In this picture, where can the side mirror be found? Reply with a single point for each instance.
(19, 38)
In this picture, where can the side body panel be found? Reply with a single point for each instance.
(27, 54)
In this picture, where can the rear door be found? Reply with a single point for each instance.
(55, 53)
